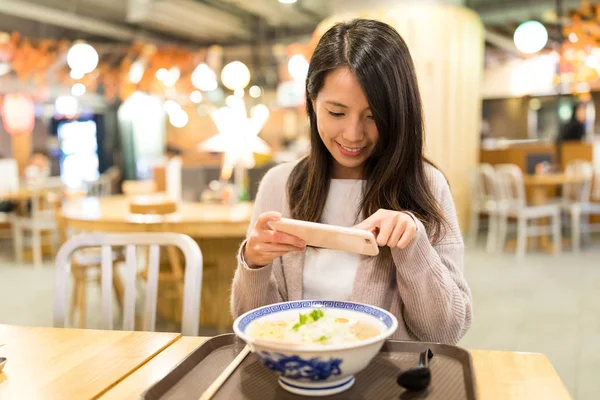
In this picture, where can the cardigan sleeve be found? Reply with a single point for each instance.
(256, 287)
(430, 281)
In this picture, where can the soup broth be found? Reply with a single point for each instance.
(318, 326)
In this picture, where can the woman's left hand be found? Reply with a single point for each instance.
(391, 228)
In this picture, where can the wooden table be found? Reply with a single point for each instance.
(52, 363)
(538, 185)
(18, 195)
(499, 374)
(219, 229)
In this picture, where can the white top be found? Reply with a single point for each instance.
(329, 274)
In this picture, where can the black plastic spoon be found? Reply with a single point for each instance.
(417, 379)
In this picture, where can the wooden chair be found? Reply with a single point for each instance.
(40, 219)
(513, 204)
(192, 279)
(484, 200)
(575, 201)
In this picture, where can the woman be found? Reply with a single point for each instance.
(366, 165)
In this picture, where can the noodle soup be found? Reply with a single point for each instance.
(315, 327)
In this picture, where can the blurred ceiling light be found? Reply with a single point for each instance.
(530, 37)
(4, 69)
(235, 75)
(237, 138)
(82, 57)
(573, 37)
(298, 67)
(136, 72)
(287, 1)
(162, 74)
(172, 76)
(239, 92)
(260, 113)
(204, 78)
(235, 102)
(171, 107)
(78, 89)
(255, 92)
(196, 97)
(179, 118)
(66, 105)
(76, 74)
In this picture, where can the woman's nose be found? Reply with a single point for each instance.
(354, 133)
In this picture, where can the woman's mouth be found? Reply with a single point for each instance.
(350, 151)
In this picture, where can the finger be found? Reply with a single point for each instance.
(385, 230)
(262, 248)
(264, 219)
(281, 238)
(277, 248)
(396, 234)
(368, 224)
(409, 234)
(280, 248)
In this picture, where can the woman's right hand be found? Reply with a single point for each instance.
(265, 244)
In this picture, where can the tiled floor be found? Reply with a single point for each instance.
(542, 304)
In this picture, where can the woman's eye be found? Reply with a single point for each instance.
(371, 117)
(334, 114)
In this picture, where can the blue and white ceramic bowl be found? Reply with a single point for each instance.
(316, 370)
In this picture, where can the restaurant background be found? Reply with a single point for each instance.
(151, 116)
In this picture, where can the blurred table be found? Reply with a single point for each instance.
(51, 363)
(538, 185)
(18, 195)
(498, 374)
(218, 228)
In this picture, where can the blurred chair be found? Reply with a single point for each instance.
(41, 219)
(192, 282)
(513, 204)
(592, 207)
(575, 201)
(173, 177)
(9, 171)
(484, 200)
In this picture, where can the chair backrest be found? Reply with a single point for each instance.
(595, 192)
(192, 277)
(511, 186)
(9, 170)
(174, 177)
(578, 192)
(484, 185)
(41, 190)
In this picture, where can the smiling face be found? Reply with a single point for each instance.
(345, 123)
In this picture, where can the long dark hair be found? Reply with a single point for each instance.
(395, 172)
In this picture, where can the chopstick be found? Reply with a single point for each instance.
(216, 385)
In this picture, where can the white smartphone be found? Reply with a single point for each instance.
(329, 236)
